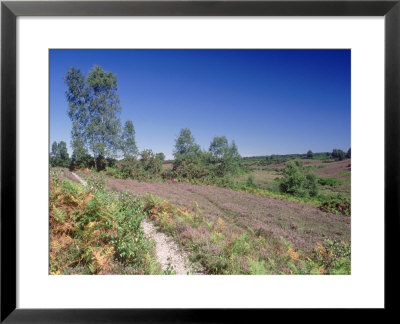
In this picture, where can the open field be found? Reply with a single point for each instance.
(229, 231)
(301, 224)
(265, 176)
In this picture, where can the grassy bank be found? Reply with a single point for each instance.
(93, 231)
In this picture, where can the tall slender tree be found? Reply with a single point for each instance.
(94, 109)
(128, 143)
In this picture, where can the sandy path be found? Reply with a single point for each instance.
(83, 182)
(167, 252)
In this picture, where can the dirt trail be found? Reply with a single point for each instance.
(83, 182)
(167, 252)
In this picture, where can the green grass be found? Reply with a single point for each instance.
(334, 203)
(333, 196)
(333, 182)
(315, 167)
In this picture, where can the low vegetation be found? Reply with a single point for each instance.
(93, 231)
(222, 247)
(338, 204)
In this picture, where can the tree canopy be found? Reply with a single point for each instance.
(219, 146)
(59, 154)
(160, 156)
(128, 143)
(94, 109)
(185, 144)
(338, 154)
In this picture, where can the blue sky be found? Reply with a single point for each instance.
(268, 101)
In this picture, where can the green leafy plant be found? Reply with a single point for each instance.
(337, 205)
(251, 182)
(298, 181)
(93, 231)
(170, 270)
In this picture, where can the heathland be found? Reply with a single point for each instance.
(115, 210)
(245, 225)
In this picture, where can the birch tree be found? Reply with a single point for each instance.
(94, 109)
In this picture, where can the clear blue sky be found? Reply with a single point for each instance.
(268, 101)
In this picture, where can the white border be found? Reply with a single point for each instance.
(364, 288)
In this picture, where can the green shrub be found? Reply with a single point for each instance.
(333, 257)
(150, 163)
(329, 258)
(333, 182)
(114, 172)
(194, 166)
(251, 182)
(337, 205)
(147, 167)
(338, 155)
(81, 161)
(298, 181)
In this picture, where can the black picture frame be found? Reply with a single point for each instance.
(11, 10)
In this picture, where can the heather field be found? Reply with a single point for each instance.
(226, 231)
(302, 224)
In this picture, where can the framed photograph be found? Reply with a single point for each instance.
(190, 155)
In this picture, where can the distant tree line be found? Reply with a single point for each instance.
(336, 154)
